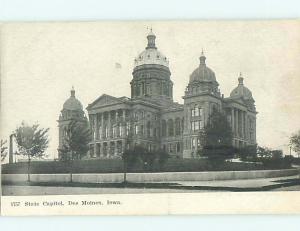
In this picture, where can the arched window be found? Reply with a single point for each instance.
(148, 129)
(163, 128)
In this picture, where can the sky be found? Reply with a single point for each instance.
(40, 62)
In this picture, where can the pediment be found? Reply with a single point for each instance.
(105, 100)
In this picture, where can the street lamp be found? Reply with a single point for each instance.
(11, 153)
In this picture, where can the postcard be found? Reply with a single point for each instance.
(150, 117)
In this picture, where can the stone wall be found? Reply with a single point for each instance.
(150, 177)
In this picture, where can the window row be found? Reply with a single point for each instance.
(197, 125)
(196, 111)
(172, 147)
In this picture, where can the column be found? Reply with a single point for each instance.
(101, 150)
(109, 125)
(124, 123)
(123, 145)
(102, 124)
(254, 129)
(246, 127)
(236, 116)
(242, 124)
(108, 148)
(95, 149)
(116, 148)
(97, 128)
(232, 121)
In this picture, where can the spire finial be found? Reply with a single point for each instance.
(72, 92)
(241, 79)
(202, 58)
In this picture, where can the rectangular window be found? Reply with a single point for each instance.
(127, 128)
(193, 143)
(193, 112)
(170, 148)
(200, 111)
(197, 125)
(120, 131)
(198, 143)
(136, 129)
(201, 124)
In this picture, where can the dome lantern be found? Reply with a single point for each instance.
(241, 79)
(72, 92)
(151, 40)
(202, 58)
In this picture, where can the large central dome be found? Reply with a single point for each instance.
(202, 73)
(151, 75)
(151, 55)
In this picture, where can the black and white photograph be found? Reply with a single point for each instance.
(185, 108)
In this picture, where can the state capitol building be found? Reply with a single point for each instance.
(152, 119)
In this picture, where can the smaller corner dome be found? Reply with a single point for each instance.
(72, 103)
(241, 91)
(151, 55)
(202, 73)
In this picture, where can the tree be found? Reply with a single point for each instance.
(216, 138)
(248, 152)
(264, 152)
(277, 154)
(162, 157)
(295, 142)
(32, 142)
(130, 157)
(146, 157)
(75, 143)
(3, 149)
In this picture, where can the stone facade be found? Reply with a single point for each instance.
(152, 119)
